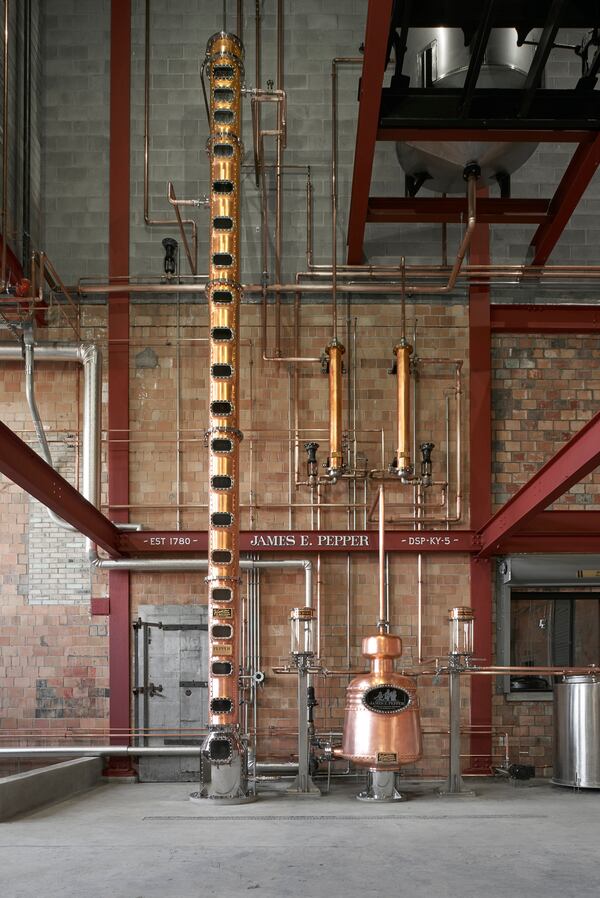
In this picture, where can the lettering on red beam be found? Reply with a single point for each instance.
(315, 541)
(311, 541)
(166, 541)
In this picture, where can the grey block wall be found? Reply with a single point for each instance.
(75, 138)
(75, 135)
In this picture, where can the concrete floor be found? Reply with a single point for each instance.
(149, 841)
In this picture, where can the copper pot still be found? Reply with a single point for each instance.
(382, 728)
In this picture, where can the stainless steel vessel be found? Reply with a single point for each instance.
(438, 58)
(577, 732)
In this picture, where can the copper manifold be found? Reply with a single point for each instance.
(224, 65)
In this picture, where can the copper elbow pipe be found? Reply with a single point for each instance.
(334, 352)
(403, 464)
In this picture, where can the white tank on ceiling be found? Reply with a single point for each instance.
(438, 58)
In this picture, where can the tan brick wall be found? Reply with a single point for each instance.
(54, 659)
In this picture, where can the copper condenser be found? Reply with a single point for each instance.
(381, 726)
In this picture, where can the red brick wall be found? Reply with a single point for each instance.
(54, 658)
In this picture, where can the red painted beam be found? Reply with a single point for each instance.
(118, 363)
(576, 178)
(303, 541)
(480, 452)
(563, 523)
(462, 134)
(454, 210)
(546, 319)
(551, 544)
(379, 15)
(557, 532)
(552, 531)
(573, 461)
(28, 470)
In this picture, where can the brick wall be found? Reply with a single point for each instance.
(544, 390)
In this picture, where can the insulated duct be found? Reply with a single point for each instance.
(223, 748)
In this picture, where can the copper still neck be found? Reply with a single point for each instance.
(382, 650)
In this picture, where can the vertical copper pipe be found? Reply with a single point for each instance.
(159, 222)
(335, 351)
(279, 178)
(5, 148)
(382, 622)
(224, 65)
(403, 455)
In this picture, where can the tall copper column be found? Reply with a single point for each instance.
(223, 748)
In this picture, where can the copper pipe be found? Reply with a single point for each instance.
(240, 21)
(309, 216)
(334, 352)
(338, 60)
(279, 175)
(176, 203)
(383, 624)
(157, 222)
(3, 276)
(557, 670)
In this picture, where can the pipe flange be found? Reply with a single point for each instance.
(223, 282)
(471, 169)
(212, 578)
(233, 431)
(224, 136)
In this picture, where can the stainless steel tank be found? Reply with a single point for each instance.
(577, 732)
(438, 58)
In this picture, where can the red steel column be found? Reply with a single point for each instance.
(118, 361)
(480, 454)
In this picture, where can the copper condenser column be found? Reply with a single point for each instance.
(402, 465)
(335, 465)
(224, 754)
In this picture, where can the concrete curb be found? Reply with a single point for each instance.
(28, 791)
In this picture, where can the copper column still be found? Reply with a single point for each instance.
(382, 728)
(223, 748)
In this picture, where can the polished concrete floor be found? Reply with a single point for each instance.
(149, 841)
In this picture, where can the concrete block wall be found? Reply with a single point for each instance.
(74, 134)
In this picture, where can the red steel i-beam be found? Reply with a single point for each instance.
(545, 319)
(28, 470)
(568, 193)
(574, 460)
(118, 363)
(480, 455)
(379, 15)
